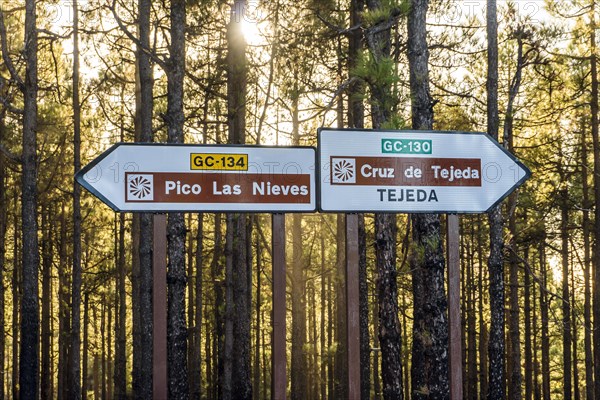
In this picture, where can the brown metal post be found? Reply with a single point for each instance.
(279, 361)
(352, 310)
(453, 256)
(159, 308)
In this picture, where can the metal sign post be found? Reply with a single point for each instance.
(454, 339)
(159, 307)
(352, 306)
(279, 365)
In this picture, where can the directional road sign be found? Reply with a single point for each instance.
(192, 178)
(414, 171)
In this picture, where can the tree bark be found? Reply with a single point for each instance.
(496, 349)
(545, 334)
(45, 389)
(596, 155)
(528, 338)
(143, 242)
(566, 307)
(587, 309)
(75, 364)
(241, 386)
(3, 228)
(356, 116)
(120, 377)
(30, 320)
(379, 42)
(483, 371)
(430, 327)
(176, 230)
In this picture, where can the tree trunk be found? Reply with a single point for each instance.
(471, 318)
(596, 155)
(45, 389)
(566, 307)
(496, 387)
(324, 350)
(120, 377)
(356, 115)
(241, 386)
(75, 364)
(63, 313)
(587, 309)
(385, 232)
(176, 230)
(196, 353)
(259, 272)
(483, 335)
(16, 303)
(86, 324)
(528, 339)
(3, 228)
(430, 327)
(30, 320)
(143, 242)
(545, 335)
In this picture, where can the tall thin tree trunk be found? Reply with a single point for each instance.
(142, 230)
(3, 228)
(16, 303)
(430, 327)
(385, 233)
(545, 335)
(75, 364)
(528, 339)
(483, 336)
(356, 116)
(324, 350)
(63, 312)
(45, 389)
(120, 377)
(237, 231)
(299, 368)
(596, 155)
(587, 308)
(259, 271)
(496, 387)
(176, 230)
(196, 354)
(566, 307)
(471, 318)
(574, 341)
(30, 320)
(85, 358)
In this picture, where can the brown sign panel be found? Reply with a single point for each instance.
(405, 171)
(182, 187)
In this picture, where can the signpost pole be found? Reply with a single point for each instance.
(159, 308)
(352, 303)
(453, 256)
(279, 309)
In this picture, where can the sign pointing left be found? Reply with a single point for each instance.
(191, 178)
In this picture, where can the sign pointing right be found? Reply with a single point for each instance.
(414, 171)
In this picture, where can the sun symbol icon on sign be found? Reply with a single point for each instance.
(140, 187)
(343, 170)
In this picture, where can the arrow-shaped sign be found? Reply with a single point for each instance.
(414, 171)
(192, 178)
